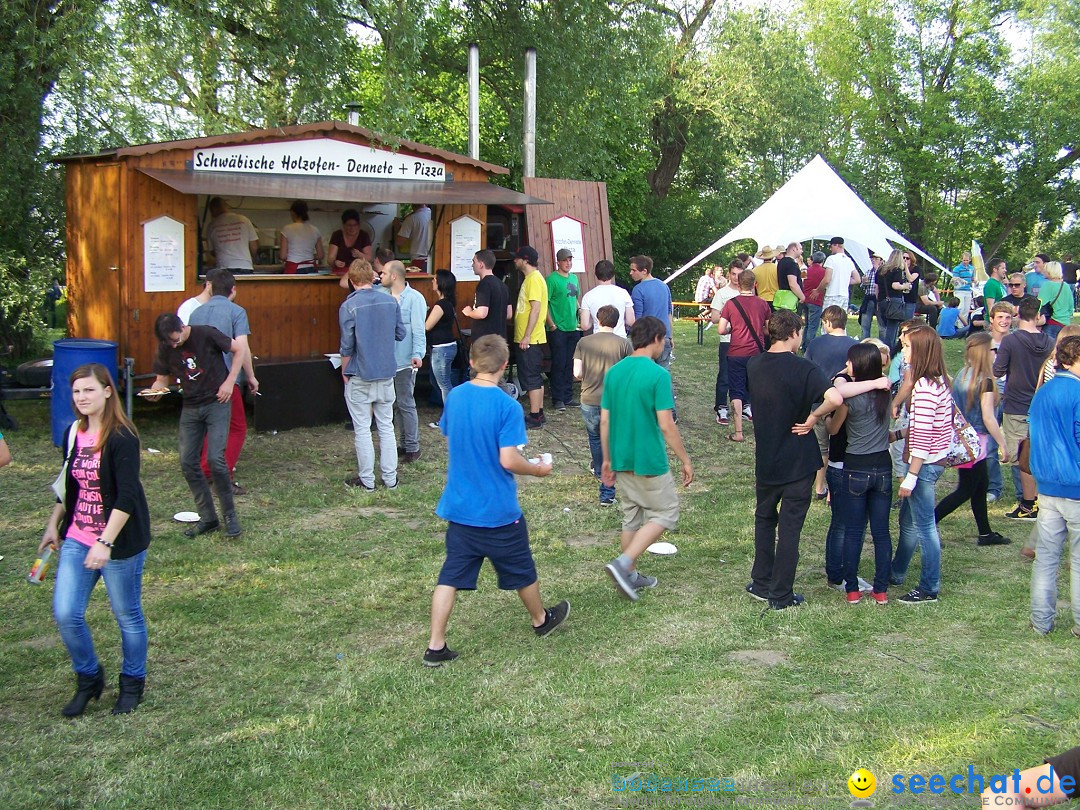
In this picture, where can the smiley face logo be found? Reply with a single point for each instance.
(862, 784)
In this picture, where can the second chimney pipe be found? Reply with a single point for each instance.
(474, 101)
(529, 169)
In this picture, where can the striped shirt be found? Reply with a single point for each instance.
(930, 427)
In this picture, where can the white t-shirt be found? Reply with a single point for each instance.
(230, 236)
(722, 296)
(841, 267)
(602, 295)
(183, 312)
(302, 236)
(416, 227)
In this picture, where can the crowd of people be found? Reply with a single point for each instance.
(840, 418)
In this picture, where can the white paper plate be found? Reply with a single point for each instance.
(662, 548)
(187, 517)
(146, 392)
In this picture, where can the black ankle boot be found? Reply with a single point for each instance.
(131, 691)
(88, 687)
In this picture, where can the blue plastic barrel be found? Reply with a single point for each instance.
(68, 355)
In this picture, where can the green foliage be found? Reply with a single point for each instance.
(22, 301)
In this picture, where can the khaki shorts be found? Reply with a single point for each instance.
(821, 433)
(1015, 428)
(647, 499)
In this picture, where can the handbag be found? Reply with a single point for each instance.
(965, 447)
(59, 486)
(785, 299)
(1047, 310)
(893, 309)
(461, 359)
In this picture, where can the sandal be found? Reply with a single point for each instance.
(732, 438)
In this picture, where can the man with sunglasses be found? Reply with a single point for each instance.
(1014, 291)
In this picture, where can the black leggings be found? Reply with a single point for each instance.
(973, 485)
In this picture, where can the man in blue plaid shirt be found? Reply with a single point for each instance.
(870, 299)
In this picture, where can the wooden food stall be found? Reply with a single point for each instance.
(136, 220)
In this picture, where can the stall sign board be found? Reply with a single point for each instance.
(569, 233)
(318, 157)
(464, 243)
(163, 255)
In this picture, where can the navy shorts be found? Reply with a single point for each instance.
(736, 371)
(506, 546)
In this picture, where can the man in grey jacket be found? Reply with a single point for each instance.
(370, 325)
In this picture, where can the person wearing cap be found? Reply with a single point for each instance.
(871, 286)
(529, 319)
(766, 275)
(563, 335)
(840, 275)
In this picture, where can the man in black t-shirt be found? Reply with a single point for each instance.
(193, 355)
(491, 305)
(787, 458)
(788, 274)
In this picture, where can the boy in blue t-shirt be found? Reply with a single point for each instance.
(484, 427)
(949, 319)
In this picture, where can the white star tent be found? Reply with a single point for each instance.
(815, 204)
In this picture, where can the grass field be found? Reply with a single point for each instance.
(285, 672)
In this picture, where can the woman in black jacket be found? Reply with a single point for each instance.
(102, 528)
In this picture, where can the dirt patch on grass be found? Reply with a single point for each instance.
(760, 658)
(838, 703)
(42, 642)
(588, 541)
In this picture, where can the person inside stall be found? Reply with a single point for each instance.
(301, 242)
(348, 243)
(382, 256)
(414, 235)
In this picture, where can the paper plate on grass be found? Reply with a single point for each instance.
(662, 548)
(187, 517)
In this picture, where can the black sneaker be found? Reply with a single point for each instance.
(1021, 512)
(572, 403)
(796, 600)
(750, 590)
(436, 658)
(992, 539)
(534, 422)
(356, 482)
(203, 527)
(555, 616)
(917, 597)
(607, 501)
(232, 525)
(560, 406)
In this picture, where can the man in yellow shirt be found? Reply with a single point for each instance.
(765, 273)
(529, 334)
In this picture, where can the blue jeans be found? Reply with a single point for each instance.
(365, 398)
(1058, 527)
(209, 423)
(813, 322)
(71, 595)
(442, 358)
(590, 415)
(892, 330)
(562, 345)
(918, 527)
(909, 310)
(867, 494)
(1052, 329)
(993, 469)
(866, 318)
(834, 540)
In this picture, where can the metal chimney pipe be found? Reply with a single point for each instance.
(530, 113)
(474, 101)
(353, 108)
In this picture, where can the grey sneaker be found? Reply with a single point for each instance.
(555, 616)
(864, 586)
(621, 577)
(640, 580)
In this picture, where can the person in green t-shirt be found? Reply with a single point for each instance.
(994, 288)
(563, 335)
(635, 421)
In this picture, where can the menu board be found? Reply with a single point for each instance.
(569, 233)
(464, 243)
(163, 255)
